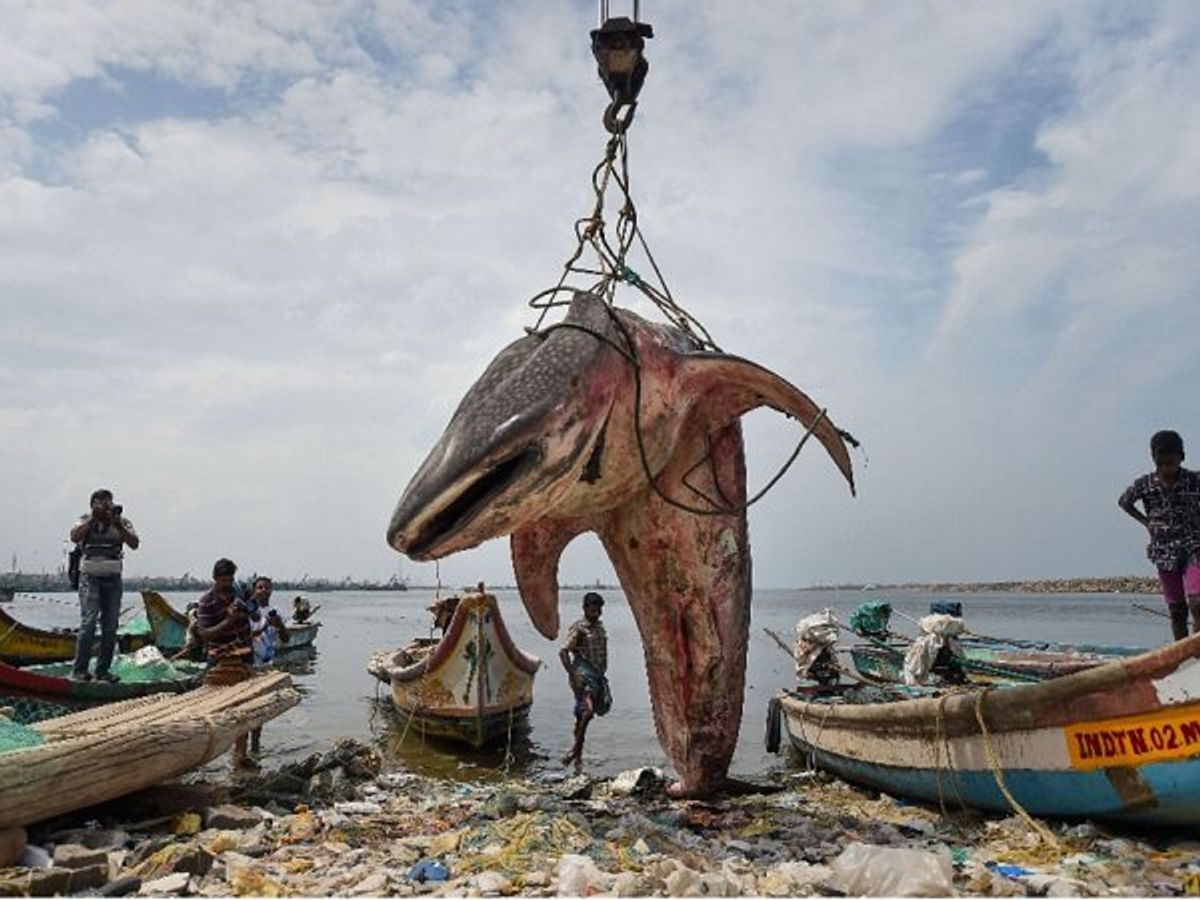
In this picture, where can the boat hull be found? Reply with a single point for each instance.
(474, 687)
(24, 645)
(1120, 742)
(42, 692)
(168, 628)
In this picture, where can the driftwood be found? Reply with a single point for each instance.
(103, 753)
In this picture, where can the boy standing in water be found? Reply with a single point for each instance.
(1170, 496)
(585, 657)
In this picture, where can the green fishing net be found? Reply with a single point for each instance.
(871, 619)
(145, 666)
(139, 624)
(14, 736)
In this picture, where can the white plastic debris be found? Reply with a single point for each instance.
(864, 870)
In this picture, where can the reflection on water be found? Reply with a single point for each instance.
(404, 746)
(341, 700)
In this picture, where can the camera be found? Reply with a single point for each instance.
(118, 509)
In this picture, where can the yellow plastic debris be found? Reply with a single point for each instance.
(226, 840)
(252, 883)
(187, 823)
(446, 842)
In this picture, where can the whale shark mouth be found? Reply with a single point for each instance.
(474, 498)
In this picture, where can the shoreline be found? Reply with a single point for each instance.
(1113, 584)
(336, 824)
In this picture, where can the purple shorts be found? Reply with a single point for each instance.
(1179, 584)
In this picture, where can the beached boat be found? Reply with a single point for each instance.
(88, 757)
(36, 693)
(23, 645)
(1118, 742)
(169, 628)
(473, 685)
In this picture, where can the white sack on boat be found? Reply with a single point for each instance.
(814, 633)
(937, 631)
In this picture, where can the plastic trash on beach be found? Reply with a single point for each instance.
(864, 870)
(429, 870)
(579, 877)
(937, 631)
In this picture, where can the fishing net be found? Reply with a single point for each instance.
(28, 710)
(14, 736)
(871, 619)
(138, 625)
(148, 664)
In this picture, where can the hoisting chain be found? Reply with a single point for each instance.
(612, 269)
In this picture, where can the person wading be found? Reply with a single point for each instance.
(585, 657)
(102, 535)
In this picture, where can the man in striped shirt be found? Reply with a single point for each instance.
(585, 657)
(223, 623)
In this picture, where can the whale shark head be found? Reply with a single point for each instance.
(518, 441)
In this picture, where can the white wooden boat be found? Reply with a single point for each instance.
(473, 685)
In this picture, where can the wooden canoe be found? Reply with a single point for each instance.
(99, 754)
(1118, 742)
(42, 692)
(23, 645)
(168, 626)
(473, 686)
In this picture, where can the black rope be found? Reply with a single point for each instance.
(612, 270)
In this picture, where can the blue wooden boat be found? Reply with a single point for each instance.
(1118, 742)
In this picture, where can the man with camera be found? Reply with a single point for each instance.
(102, 536)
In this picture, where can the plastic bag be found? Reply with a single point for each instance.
(579, 877)
(864, 870)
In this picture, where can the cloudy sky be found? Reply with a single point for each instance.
(252, 254)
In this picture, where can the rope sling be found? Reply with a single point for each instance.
(611, 269)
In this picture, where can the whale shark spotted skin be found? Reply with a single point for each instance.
(544, 447)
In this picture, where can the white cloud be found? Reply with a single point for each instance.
(266, 314)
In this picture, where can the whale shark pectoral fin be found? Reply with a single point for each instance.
(536, 550)
(722, 388)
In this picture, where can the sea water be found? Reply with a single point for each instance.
(342, 700)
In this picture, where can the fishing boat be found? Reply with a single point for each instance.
(36, 693)
(885, 662)
(23, 645)
(983, 658)
(473, 685)
(168, 626)
(1118, 742)
(99, 754)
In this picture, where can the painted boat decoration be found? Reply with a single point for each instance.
(36, 693)
(1118, 742)
(99, 754)
(473, 685)
(24, 645)
(168, 627)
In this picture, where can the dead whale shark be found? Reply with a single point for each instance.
(563, 434)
